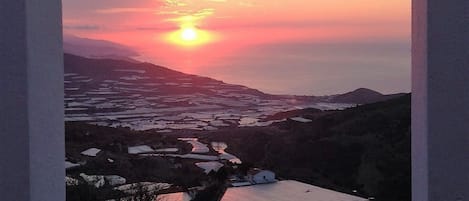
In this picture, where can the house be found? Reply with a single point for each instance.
(92, 152)
(258, 176)
(181, 196)
(287, 190)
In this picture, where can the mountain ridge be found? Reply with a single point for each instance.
(93, 48)
(145, 96)
(363, 96)
(114, 63)
(358, 96)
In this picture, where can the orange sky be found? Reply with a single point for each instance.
(235, 26)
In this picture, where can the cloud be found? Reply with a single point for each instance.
(204, 12)
(174, 3)
(188, 17)
(156, 28)
(124, 10)
(82, 27)
(309, 24)
(191, 12)
(246, 4)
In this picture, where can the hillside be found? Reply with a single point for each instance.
(138, 76)
(363, 150)
(366, 148)
(144, 96)
(360, 96)
(141, 95)
(92, 48)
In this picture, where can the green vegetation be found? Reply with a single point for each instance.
(366, 148)
(363, 150)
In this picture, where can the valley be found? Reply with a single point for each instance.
(136, 128)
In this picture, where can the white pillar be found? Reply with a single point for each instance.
(31, 101)
(440, 100)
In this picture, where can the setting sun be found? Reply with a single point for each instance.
(189, 34)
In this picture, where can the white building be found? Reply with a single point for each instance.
(287, 190)
(92, 152)
(258, 176)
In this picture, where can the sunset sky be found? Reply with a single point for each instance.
(304, 47)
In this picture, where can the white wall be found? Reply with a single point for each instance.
(31, 103)
(440, 111)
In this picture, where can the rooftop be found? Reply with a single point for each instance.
(287, 190)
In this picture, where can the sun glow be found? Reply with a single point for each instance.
(190, 36)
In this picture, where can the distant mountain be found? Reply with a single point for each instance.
(362, 96)
(102, 49)
(99, 74)
(92, 48)
(144, 96)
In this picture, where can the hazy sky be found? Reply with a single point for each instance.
(289, 47)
